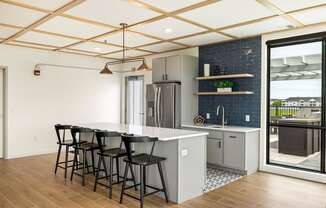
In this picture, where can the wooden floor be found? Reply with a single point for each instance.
(30, 182)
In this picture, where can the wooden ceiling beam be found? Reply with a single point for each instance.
(272, 7)
(44, 19)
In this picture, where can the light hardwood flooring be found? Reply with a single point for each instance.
(30, 183)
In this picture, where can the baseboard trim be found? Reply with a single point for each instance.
(34, 153)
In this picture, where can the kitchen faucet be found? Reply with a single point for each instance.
(217, 113)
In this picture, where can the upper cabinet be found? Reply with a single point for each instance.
(171, 68)
(159, 73)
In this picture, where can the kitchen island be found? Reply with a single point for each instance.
(185, 151)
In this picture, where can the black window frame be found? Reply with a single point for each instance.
(295, 40)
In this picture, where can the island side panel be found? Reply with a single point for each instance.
(169, 150)
(192, 167)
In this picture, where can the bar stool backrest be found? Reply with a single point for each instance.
(129, 139)
(102, 135)
(61, 132)
(81, 134)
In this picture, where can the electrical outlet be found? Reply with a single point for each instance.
(184, 152)
(208, 115)
(247, 118)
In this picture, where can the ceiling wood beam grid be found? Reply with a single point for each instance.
(47, 17)
(272, 7)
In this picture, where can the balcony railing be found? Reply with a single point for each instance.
(290, 111)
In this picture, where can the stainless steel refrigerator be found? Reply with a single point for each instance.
(163, 103)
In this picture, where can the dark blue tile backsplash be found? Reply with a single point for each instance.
(239, 56)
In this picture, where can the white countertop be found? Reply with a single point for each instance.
(163, 134)
(226, 128)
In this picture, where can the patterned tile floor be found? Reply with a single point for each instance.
(217, 177)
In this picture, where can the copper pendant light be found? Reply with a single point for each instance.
(106, 70)
(143, 67)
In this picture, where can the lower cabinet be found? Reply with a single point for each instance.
(215, 151)
(234, 150)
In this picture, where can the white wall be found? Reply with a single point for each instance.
(263, 166)
(147, 74)
(59, 95)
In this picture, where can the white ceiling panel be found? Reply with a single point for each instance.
(112, 12)
(203, 39)
(131, 39)
(72, 27)
(171, 5)
(41, 38)
(228, 12)
(6, 32)
(272, 24)
(128, 54)
(311, 16)
(45, 4)
(290, 5)
(176, 28)
(162, 47)
(135, 53)
(80, 52)
(96, 47)
(32, 45)
(18, 16)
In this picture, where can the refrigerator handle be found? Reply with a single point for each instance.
(155, 106)
(159, 107)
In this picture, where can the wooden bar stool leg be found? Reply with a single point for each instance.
(84, 167)
(98, 172)
(74, 164)
(105, 169)
(66, 162)
(93, 161)
(58, 159)
(144, 180)
(133, 177)
(163, 181)
(110, 179)
(117, 169)
(141, 186)
(124, 182)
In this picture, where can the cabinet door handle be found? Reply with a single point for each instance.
(166, 77)
(163, 76)
(233, 137)
(219, 144)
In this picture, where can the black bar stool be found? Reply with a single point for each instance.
(61, 135)
(143, 160)
(85, 146)
(112, 154)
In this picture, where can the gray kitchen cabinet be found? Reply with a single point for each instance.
(239, 150)
(173, 68)
(234, 152)
(215, 151)
(159, 66)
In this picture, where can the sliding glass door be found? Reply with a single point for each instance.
(296, 103)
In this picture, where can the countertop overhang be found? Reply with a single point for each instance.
(163, 134)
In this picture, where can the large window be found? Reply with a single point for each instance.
(296, 102)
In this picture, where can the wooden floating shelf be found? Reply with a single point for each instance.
(226, 93)
(226, 76)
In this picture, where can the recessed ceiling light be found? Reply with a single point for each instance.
(97, 49)
(168, 30)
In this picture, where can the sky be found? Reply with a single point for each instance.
(296, 88)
